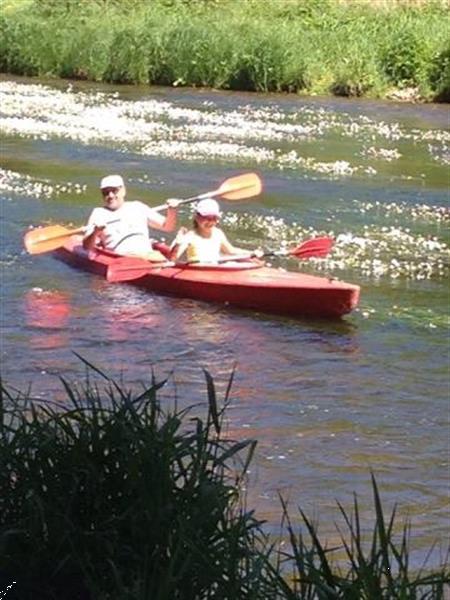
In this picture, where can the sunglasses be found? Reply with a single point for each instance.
(106, 191)
(209, 217)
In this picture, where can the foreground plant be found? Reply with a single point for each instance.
(115, 499)
(376, 566)
(112, 498)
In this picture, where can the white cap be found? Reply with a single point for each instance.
(208, 208)
(113, 181)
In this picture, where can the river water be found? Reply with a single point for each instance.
(327, 401)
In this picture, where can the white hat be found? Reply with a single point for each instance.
(208, 208)
(113, 181)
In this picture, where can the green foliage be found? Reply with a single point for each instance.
(354, 76)
(128, 61)
(439, 75)
(380, 561)
(112, 498)
(403, 58)
(261, 65)
(33, 45)
(313, 46)
(197, 52)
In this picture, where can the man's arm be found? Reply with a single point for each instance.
(169, 222)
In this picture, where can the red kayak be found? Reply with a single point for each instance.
(247, 285)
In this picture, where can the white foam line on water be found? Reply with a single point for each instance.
(12, 182)
(415, 212)
(161, 128)
(203, 150)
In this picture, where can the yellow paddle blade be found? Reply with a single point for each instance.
(234, 188)
(240, 187)
(46, 239)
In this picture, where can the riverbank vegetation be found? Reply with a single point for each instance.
(378, 49)
(115, 498)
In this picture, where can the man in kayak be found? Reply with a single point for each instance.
(122, 226)
(205, 243)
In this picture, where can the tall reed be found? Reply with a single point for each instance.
(374, 566)
(113, 498)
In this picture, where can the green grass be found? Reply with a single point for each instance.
(300, 46)
(377, 566)
(111, 497)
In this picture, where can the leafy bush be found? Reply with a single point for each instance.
(354, 77)
(439, 75)
(403, 59)
(296, 46)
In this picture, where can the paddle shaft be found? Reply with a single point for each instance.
(316, 247)
(61, 235)
(188, 200)
(122, 270)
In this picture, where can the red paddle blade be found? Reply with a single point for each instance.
(129, 269)
(117, 274)
(317, 247)
(240, 187)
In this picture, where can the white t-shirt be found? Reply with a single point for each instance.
(126, 230)
(205, 250)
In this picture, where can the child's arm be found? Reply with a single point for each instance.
(180, 244)
(228, 248)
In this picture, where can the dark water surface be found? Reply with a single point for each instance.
(327, 401)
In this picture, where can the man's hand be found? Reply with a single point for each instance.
(91, 236)
(173, 203)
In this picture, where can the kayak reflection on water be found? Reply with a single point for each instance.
(47, 314)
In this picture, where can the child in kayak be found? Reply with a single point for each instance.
(122, 226)
(205, 243)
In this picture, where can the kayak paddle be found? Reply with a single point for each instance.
(47, 239)
(51, 237)
(318, 247)
(315, 248)
(234, 188)
(128, 269)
